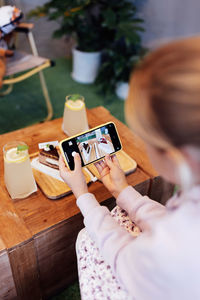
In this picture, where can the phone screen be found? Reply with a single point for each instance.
(93, 145)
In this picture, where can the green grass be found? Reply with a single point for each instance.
(25, 105)
(71, 293)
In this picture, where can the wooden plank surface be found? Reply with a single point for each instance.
(40, 213)
(2, 245)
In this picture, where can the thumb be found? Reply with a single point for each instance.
(77, 162)
(62, 165)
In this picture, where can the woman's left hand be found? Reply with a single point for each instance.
(75, 179)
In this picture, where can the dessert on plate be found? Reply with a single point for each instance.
(49, 156)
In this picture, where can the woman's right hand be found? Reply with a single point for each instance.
(112, 175)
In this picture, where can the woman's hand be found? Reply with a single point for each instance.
(112, 175)
(75, 179)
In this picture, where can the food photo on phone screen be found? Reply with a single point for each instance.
(95, 145)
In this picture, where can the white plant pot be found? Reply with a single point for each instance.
(122, 90)
(85, 66)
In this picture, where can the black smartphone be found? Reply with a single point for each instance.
(92, 145)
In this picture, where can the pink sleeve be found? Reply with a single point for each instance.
(141, 209)
(119, 248)
(102, 227)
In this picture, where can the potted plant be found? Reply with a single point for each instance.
(123, 52)
(94, 24)
(118, 62)
(84, 20)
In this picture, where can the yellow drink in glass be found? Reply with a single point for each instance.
(75, 118)
(18, 175)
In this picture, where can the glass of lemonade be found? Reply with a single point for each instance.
(75, 118)
(18, 174)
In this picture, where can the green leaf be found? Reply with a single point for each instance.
(22, 148)
(110, 18)
(75, 97)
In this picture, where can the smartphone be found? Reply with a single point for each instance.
(92, 145)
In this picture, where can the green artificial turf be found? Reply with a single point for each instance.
(26, 105)
(70, 293)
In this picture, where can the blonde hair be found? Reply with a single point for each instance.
(163, 105)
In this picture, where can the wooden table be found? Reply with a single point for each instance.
(37, 254)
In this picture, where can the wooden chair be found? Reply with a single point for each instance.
(29, 64)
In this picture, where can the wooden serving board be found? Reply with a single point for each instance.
(127, 164)
(55, 189)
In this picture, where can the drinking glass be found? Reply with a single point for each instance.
(75, 117)
(18, 175)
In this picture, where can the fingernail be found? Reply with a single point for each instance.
(74, 153)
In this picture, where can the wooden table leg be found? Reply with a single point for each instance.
(25, 271)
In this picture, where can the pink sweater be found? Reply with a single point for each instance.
(163, 262)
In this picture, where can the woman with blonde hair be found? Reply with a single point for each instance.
(163, 261)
